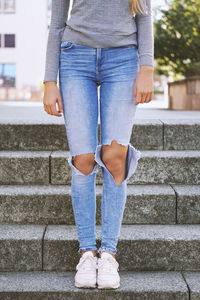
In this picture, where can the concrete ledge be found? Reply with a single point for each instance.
(31, 136)
(60, 286)
(145, 204)
(146, 134)
(140, 247)
(24, 167)
(181, 134)
(193, 281)
(154, 167)
(43, 167)
(188, 204)
(21, 247)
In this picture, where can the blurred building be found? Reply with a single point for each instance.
(24, 28)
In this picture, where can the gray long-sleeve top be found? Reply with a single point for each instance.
(99, 24)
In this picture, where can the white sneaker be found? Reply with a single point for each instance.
(86, 274)
(108, 276)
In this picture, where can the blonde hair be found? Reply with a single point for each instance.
(137, 7)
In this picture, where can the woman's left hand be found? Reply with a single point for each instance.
(143, 90)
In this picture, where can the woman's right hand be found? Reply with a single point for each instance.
(51, 97)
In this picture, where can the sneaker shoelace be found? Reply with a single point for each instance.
(87, 261)
(107, 264)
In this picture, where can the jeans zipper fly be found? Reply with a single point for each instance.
(98, 57)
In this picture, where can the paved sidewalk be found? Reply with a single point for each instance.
(33, 112)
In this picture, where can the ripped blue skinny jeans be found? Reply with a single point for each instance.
(82, 71)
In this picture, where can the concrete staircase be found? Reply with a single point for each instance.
(159, 247)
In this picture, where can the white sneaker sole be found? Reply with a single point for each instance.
(104, 286)
(85, 284)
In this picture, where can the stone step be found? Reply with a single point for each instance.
(140, 247)
(147, 134)
(188, 204)
(60, 286)
(45, 167)
(154, 167)
(193, 282)
(146, 204)
(21, 247)
(21, 167)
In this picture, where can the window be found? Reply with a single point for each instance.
(7, 6)
(9, 40)
(7, 75)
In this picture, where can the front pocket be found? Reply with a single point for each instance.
(66, 45)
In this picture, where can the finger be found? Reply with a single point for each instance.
(46, 108)
(143, 97)
(54, 110)
(146, 97)
(136, 102)
(138, 99)
(135, 91)
(149, 97)
(49, 109)
(60, 105)
(135, 96)
(152, 95)
(44, 104)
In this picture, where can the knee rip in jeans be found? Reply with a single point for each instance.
(132, 157)
(114, 157)
(78, 171)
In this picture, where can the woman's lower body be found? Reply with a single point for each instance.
(82, 70)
